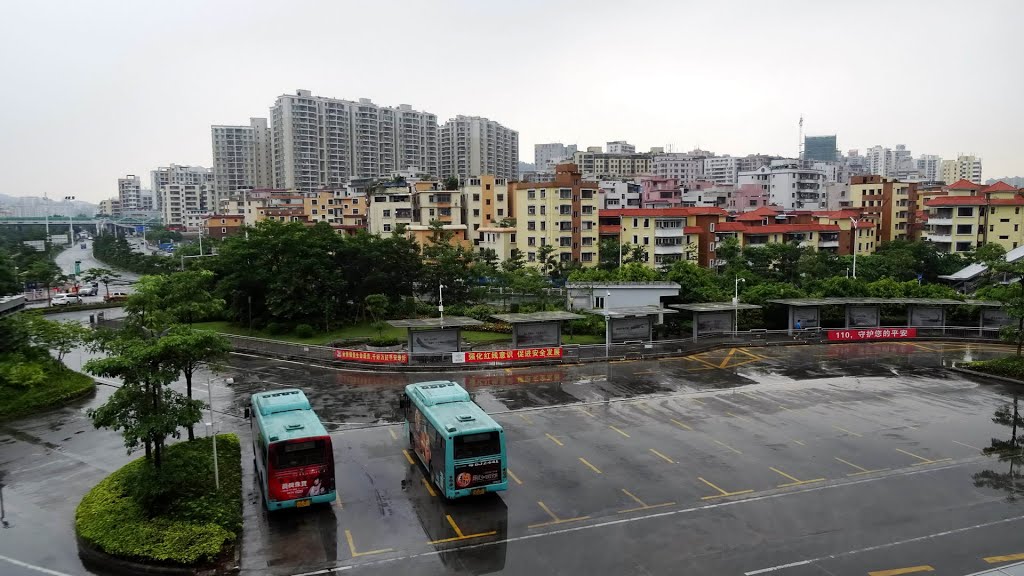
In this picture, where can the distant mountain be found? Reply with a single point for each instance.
(34, 206)
(1015, 181)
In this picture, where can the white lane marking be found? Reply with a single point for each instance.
(33, 566)
(325, 571)
(701, 508)
(883, 546)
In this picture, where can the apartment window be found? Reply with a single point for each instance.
(531, 210)
(587, 194)
(431, 211)
(543, 225)
(476, 197)
(531, 195)
(543, 193)
(387, 227)
(964, 228)
(647, 240)
(965, 211)
(1004, 237)
(487, 186)
(963, 246)
(223, 230)
(565, 241)
(1004, 220)
(387, 213)
(531, 225)
(543, 210)
(564, 257)
(476, 212)
(647, 222)
(588, 210)
(587, 256)
(565, 209)
(501, 211)
(355, 211)
(487, 202)
(598, 302)
(565, 194)
(531, 256)
(501, 197)
(991, 228)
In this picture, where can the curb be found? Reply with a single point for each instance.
(98, 560)
(985, 375)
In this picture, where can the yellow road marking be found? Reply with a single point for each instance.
(619, 431)
(458, 533)
(553, 439)
(526, 418)
(698, 401)
(643, 505)
(408, 456)
(585, 411)
(749, 395)
(681, 425)
(392, 432)
(968, 446)
(898, 571)
(723, 493)
(922, 459)
(662, 456)
(725, 361)
(862, 469)
(514, 477)
(641, 406)
(726, 445)
(352, 547)
(795, 481)
(554, 519)
(998, 559)
(589, 465)
(430, 489)
(740, 417)
(703, 361)
(848, 432)
(738, 364)
(638, 372)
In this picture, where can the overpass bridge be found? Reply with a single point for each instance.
(100, 225)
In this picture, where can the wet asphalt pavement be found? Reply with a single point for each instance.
(841, 459)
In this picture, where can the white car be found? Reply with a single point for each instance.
(65, 299)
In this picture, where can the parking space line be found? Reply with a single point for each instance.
(554, 519)
(795, 481)
(458, 533)
(725, 361)
(898, 571)
(393, 435)
(526, 419)
(619, 431)
(703, 361)
(430, 489)
(589, 465)
(352, 547)
(408, 456)
(643, 505)
(848, 431)
(662, 456)
(748, 420)
(639, 372)
(681, 425)
(698, 401)
(586, 412)
(553, 439)
(862, 469)
(722, 493)
(998, 559)
(923, 460)
(968, 446)
(726, 445)
(513, 476)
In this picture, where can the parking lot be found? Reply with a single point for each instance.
(852, 459)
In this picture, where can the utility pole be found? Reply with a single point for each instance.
(853, 245)
(440, 302)
(213, 431)
(607, 325)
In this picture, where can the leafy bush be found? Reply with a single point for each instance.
(382, 341)
(59, 385)
(481, 312)
(193, 522)
(1009, 367)
(276, 328)
(16, 371)
(592, 324)
(513, 308)
(496, 327)
(304, 331)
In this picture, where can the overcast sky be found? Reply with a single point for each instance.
(95, 90)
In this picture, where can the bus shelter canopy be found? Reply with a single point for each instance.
(547, 316)
(446, 322)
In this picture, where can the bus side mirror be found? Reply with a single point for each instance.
(248, 412)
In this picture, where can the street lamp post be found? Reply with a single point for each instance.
(607, 325)
(735, 301)
(213, 429)
(853, 245)
(440, 302)
(71, 223)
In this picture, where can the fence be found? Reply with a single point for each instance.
(574, 353)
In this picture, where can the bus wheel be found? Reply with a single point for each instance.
(412, 443)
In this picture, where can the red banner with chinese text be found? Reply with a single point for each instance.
(852, 334)
(373, 357)
(548, 353)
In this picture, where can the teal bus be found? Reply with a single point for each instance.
(292, 450)
(462, 448)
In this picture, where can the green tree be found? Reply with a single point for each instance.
(9, 282)
(1012, 299)
(175, 298)
(637, 272)
(377, 305)
(102, 275)
(451, 182)
(184, 349)
(47, 274)
(696, 284)
(515, 261)
(608, 254)
(729, 251)
(447, 265)
(546, 259)
(60, 337)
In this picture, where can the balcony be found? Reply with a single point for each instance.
(828, 244)
(938, 238)
(936, 221)
(660, 232)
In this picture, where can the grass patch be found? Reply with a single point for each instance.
(194, 523)
(582, 339)
(1008, 367)
(61, 385)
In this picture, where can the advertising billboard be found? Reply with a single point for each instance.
(994, 317)
(433, 341)
(535, 334)
(712, 322)
(624, 329)
(348, 355)
(926, 316)
(859, 316)
(806, 316)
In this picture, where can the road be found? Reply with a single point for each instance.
(842, 459)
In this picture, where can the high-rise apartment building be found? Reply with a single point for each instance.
(929, 167)
(241, 157)
(129, 193)
(474, 146)
(685, 167)
(486, 201)
(620, 147)
(890, 204)
(176, 174)
(596, 164)
(821, 148)
(721, 170)
(320, 142)
(546, 156)
(186, 204)
(963, 168)
(789, 185)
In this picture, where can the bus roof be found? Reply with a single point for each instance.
(286, 415)
(449, 407)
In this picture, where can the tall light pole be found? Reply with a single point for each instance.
(735, 301)
(213, 428)
(607, 324)
(853, 245)
(71, 223)
(440, 302)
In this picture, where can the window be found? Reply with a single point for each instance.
(487, 186)
(223, 230)
(531, 225)
(1004, 220)
(501, 211)
(431, 210)
(564, 257)
(565, 194)
(476, 212)
(1004, 237)
(543, 193)
(531, 256)
(565, 241)
(476, 445)
(501, 197)
(963, 246)
(355, 211)
(531, 241)
(587, 256)
(476, 197)
(531, 210)
(991, 228)
(598, 301)
(488, 202)
(964, 228)
(965, 211)
(387, 213)
(387, 227)
(531, 195)
(543, 210)
(565, 209)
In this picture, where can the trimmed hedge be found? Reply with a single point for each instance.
(1009, 367)
(61, 385)
(193, 526)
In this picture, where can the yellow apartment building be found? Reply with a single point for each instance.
(562, 213)
(970, 215)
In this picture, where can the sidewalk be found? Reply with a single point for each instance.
(1009, 570)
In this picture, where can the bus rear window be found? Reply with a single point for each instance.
(477, 445)
(295, 454)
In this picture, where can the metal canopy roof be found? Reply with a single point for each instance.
(627, 311)
(714, 306)
(449, 322)
(548, 316)
(845, 301)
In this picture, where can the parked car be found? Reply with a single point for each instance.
(87, 291)
(83, 245)
(116, 297)
(65, 299)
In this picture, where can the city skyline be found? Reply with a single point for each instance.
(128, 104)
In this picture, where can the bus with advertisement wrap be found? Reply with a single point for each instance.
(292, 450)
(462, 448)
